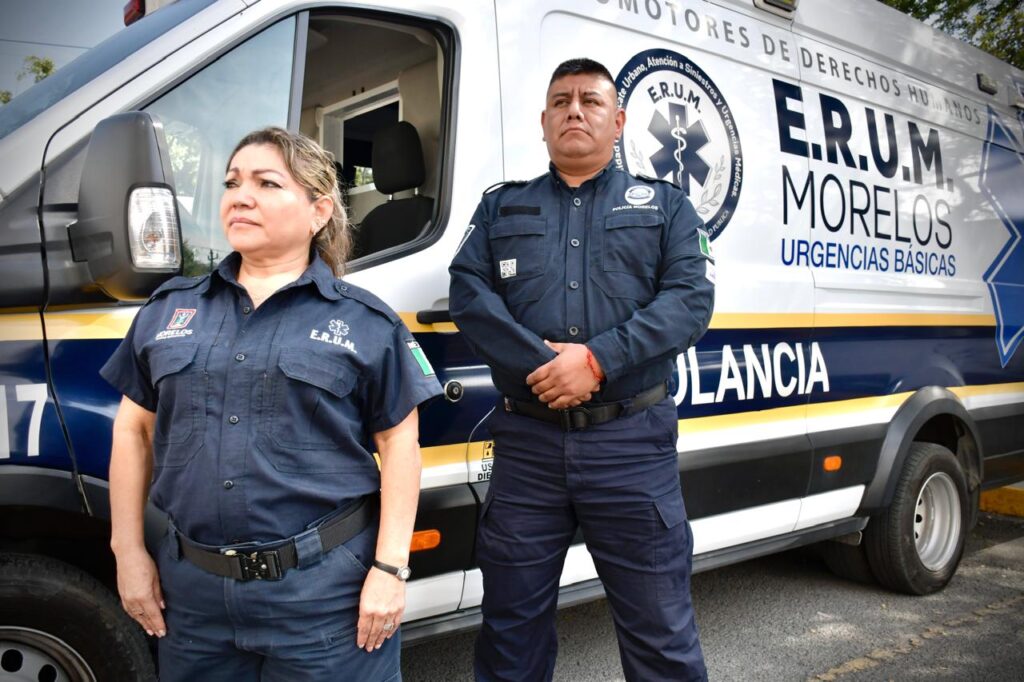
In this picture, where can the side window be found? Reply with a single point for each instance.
(378, 84)
(205, 116)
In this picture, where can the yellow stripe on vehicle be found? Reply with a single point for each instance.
(114, 323)
(21, 327)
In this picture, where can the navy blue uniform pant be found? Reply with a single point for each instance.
(619, 483)
(297, 629)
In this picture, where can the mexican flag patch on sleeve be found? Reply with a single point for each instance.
(421, 358)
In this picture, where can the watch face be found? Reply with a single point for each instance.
(404, 573)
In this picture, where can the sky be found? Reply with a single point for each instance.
(58, 29)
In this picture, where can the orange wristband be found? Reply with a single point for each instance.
(598, 376)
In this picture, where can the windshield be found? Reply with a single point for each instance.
(111, 51)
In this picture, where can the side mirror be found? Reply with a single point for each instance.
(128, 229)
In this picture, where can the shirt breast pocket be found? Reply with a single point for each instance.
(518, 250)
(631, 254)
(313, 420)
(181, 404)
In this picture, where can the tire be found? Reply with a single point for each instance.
(59, 623)
(847, 561)
(916, 544)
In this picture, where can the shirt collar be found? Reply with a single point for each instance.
(601, 176)
(317, 273)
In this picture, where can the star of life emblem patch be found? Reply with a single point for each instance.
(507, 268)
(421, 358)
(338, 327)
(338, 330)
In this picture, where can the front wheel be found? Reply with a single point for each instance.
(58, 623)
(916, 544)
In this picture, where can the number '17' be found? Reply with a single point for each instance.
(23, 393)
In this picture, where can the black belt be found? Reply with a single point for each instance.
(583, 416)
(271, 560)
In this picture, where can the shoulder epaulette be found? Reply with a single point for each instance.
(648, 178)
(505, 183)
(366, 298)
(179, 283)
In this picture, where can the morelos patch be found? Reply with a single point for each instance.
(638, 195)
(181, 318)
(680, 128)
(421, 358)
(177, 327)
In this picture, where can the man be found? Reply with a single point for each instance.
(579, 289)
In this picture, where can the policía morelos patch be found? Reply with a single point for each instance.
(680, 128)
(638, 195)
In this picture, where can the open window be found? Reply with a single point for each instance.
(372, 96)
(369, 87)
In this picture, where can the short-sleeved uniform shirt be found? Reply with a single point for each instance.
(620, 263)
(265, 417)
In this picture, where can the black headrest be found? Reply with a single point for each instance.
(397, 158)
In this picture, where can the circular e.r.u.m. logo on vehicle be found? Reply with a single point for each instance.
(680, 128)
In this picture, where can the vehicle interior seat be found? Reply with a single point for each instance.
(397, 167)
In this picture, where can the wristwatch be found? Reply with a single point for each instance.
(403, 573)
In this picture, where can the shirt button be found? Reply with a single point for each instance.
(240, 357)
(234, 418)
(228, 485)
(246, 310)
(574, 242)
(576, 201)
(574, 284)
(573, 331)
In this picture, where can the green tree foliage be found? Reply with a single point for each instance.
(195, 262)
(39, 68)
(995, 26)
(36, 67)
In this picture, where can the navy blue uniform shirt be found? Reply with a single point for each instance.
(616, 263)
(265, 417)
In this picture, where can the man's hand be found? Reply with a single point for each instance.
(381, 606)
(139, 587)
(568, 379)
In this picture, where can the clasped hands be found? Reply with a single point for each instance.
(569, 378)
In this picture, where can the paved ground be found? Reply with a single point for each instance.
(787, 618)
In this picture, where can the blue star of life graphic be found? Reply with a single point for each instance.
(680, 128)
(1002, 180)
(681, 145)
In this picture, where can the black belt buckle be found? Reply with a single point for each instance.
(265, 565)
(575, 418)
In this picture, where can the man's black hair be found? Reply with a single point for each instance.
(580, 65)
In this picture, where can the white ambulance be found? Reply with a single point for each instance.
(861, 177)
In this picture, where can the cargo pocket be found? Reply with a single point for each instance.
(307, 420)
(181, 404)
(519, 257)
(630, 254)
(672, 547)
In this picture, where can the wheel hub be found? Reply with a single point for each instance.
(36, 656)
(937, 519)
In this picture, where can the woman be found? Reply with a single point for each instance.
(254, 398)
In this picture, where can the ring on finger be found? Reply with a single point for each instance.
(388, 626)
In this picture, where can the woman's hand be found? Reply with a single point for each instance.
(139, 586)
(382, 602)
